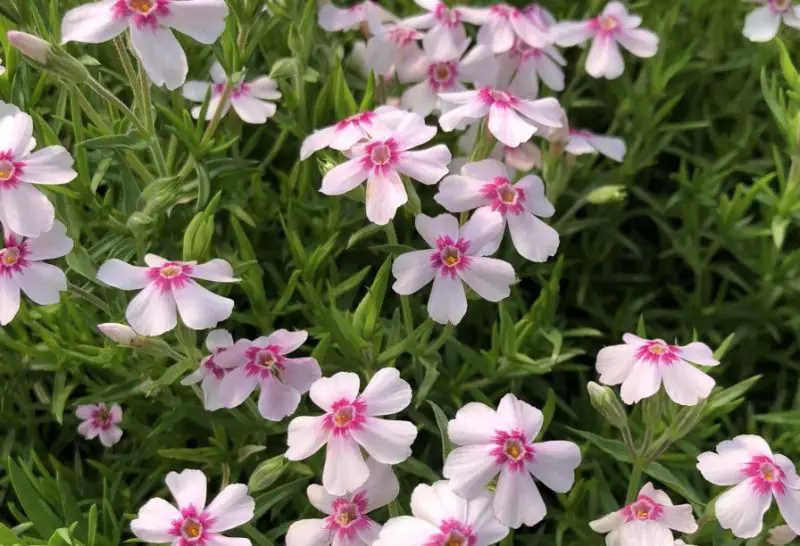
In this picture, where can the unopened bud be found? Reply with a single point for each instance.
(266, 473)
(686, 420)
(604, 195)
(48, 56)
(31, 46)
(121, 334)
(605, 401)
(781, 535)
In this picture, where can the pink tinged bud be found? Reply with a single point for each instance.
(119, 333)
(31, 46)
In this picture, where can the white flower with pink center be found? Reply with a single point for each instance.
(522, 66)
(193, 523)
(352, 422)
(758, 475)
(334, 19)
(581, 142)
(446, 37)
(443, 518)
(612, 27)
(488, 184)
(502, 442)
(457, 255)
(381, 160)
(264, 363)
(23, 268)
(23, 208)
(209, 372)
(649, 520)
(477, 67)
(642, 365)
(347, 522)
(250, 100)
(512, 120)
(169, 289)
(393, 51)
(781, 535)
(100, 421)
(151, 23)
(762, 24)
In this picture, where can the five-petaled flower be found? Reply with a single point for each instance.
(613, 26)
(502, 442)
(443, 518)
(347, 522)
(334, 19)
(209, 371)
(263, 363)
(446, 36)
(250, 100)
(100, 420)
(501, 25)
(22, 268)
(758, 475)
(641, 365)
(487, 184)
(522, 66)
(351, 422)
(193, 523)
(169, 285)
(457, 256)
(393, 51)
(649, 520)
(150, 23)
(762, 24)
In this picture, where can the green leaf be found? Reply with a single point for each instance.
(366, 316)
(8, 538)
(39, 512)
(441, 422)
(548, 411)
(266, 473)
(677, 484)
(615, 448)
(129, 141)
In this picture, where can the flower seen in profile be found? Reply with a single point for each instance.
(209, 374)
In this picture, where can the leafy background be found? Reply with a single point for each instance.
(704, 244)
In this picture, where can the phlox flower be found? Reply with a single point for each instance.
(502, 442)
(757, 475)
(334, 19)
(263, 363)
(523, 158)
(382, 159)
(392, 51)
(250, 100)
(351, 422)
(501, 25)
(579, 142)
(99, 420)
(503, 109)
(613, 26)
(522, 66)
(170, 286)
(193, 523)
(151, 23)
(443, 518)
(477, 67)
(446, 35)
(457, 255)
(121, 334)
(648, 520)
(23, 268)
(762, 24)
(347, 522)
(209, 372)
(487, 185)
(781, 535)
(23, 208)
(641, 365)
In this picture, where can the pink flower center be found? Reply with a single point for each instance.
(144, 13)
(10, 171)
(495, 97)
(451, 256)
(102, 418)
(6, 170)
(264, 361)
(12, 257)
(765, 475)
(446, 16)
(442, 76)
(347, 517)
(240, 90)
(141, 6)
(380, 156)
(780, 6)
(605, 25)
(511, 448)
(402, 36)
(658, 352)
(345, 416)
(503, 196)
(643, 509)
(212, 367)
(170, 275)
(191, 528)
(358, 120)
(453, 533)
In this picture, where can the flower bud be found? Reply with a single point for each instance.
(31, 46)
(121, 334)
(781, 535)
(605, 401)
(266, 473)
(604, 195)
(48, 56)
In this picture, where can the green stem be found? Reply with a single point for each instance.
(627, 438)
(661, 446)
(484, 143)
(405, 306)
(633, 486)
(91, 298)
(127, 65)
(112, 99)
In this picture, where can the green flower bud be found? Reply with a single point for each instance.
(605, 195)
(686, 420)
(266, 473)
(605, 401)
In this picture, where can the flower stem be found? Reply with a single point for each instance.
(91, 298)
(114, 101)
(484, 143)
(633, 486)
(405, 306)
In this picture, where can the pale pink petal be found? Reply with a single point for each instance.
(554, 464)
(426, 166)
(525, 82)
(444, 42)
(200, 308)
(482, 227)
(203, 20)
(110, 436)
(750, 443)
(516, 414)
(88, 430)
(236, 387)
(51, 165)
(648, 490)
(161, 54)
(253, 110)
(685, 384)
(470, 469)
(640, 42)
(533, 239)
(386, 393)
(552, 74)
(344, 178)
(479, 66)
(679, 518)
(153, 260)
(15, 133)
(790, 472)
(420, 98)
(305, 436)
(323, 138)
(406, 531)
(698, 353)
(212, 399)
(437, 503)
(490, 278)
(633, 339)
(792, 17)
(475, 109)
(220, 540)
(42, 282)
(92, 23)
(525, 28)
(508, 127)
(643, 382)
(723, 469)
(780, 535)
(380, 54)
(195, 91)
(154, 521)
(617, 9)
(443, 225)
(215, 270)
(496, 34)
(231, 508)
(118, 274)
(486, 170)
(50, 244)
(321, 499)
(26, 210)
(741, 509)
(382, 486)
(611, 147)
(345, 469)
(579, 145)
(615, 363)
(218, 339)
(517, 500)
(761, 24)
(608, 523)
(535, 200)
(412, 271)
(385, 194)
(546, 112)
(334, 19)
(341, 386)
(604, 59)
(188, 488)
(389, 442)
(460, 193)
(285, 340)
(264, 88)
(152, 312)
(309, 532)
(448, 301)
(410, 132)
(86, 411)
(9, 299)
(789, 506)
(300, 373)
(652, 533)
(234, 356)
(277, 400)
(115, 413)
(475, 423)
(571, 33)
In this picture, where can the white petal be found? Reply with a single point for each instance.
(448, 302)
(305, 436)
(154, 260)
(761, 25)
(460, 193)
(49, 245)
(604, 59)
(475, 423)
(437, 503)
(412, 271)
(789, 506)
(51, 165)
(443, 42)
(220, 540)
(231, 508)
(547, 112)
(607, 523)
(643, 382)
(152, 312)
(640, 42)
(340, 386)
(485, 170)
(533, 239)
(648, 490)
(615, 363)
(333, 19)
(517, 500)
(652, 533)
(516, 414)
(277, 400)
(382, 486)
(215, 270)
(264, 88)
(253, 110)
(15, 133)
(309, 532)
(321, 499)
(26, 210)
(535, 200)
(554, 464)
(470, 469)
(475, 109)
(755, 445)
(723, 469)
(685, 384)
(188, 488)
(389, 442)
(385, 194)
(741, 509)
(698, 353)
(444, 225)
(42, 282)
(286, 341)
(203, 20)
(345, 469)
(386, 393)
(154, 521)
(300, 373)
(611, 147)
(118, 274)
(218, 339)
(380, 54)
(406, 531)
(489, 277)
(92, 23)
(479, 66)
(343, 178)
(162, 56)
(9, 299)
(571, 33)
(200, 308)
(552, 74)
(420, 98)
(679, 518)
(487, 528)
(110, 436)
(195, 91)
(321, 139)
(497, 34)
(426, 166)
(790, 478)
(484, 226)
(236, 386)
(508, 127)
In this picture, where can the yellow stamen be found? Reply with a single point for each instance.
(192, 528)
(171, 271)
(513, 451)
(451, 260)
(507, 195)
(142, 6)
(10, 256)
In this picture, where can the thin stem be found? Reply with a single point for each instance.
(122, 51)
(661, 446)
(405, 306)
(627, 438)
(91, 298)
(633, 486)
(484, 143)
(112, 99)
(147, 105)
(223, 100)
(648, 439)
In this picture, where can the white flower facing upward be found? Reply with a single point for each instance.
(612, 27)
(502, 442)
(169, 289)
(264, 363)
(250, 100)
(193, 523)
(649, 520)
(522, 66)
(512, 120)
(151, 23)
(781, 535)
(381, 160)
(642, 365)
(101, 421)
(23, 268)
(443, 518)
(352, 422)
(457, 256)
(579, 142)
(23, 208)
(758, 475)
(334, 19)
(487, 185)
(392, 51)
(762, 24)
(446, 35)
(209, 372)
(347, 522)
(435, 76)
